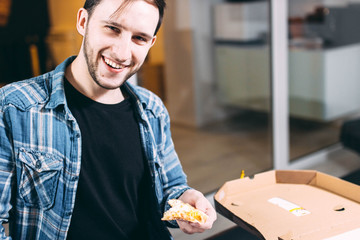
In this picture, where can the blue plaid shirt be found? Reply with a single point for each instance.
(40, 153)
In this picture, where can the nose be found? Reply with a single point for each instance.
(122, 49)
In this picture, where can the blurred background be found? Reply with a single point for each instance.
(212, 67)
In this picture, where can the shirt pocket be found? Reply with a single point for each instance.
(39, 178)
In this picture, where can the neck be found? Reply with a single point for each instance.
(81, 80)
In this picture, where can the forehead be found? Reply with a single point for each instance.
(134, 12)
(117, 8)
(133, 15)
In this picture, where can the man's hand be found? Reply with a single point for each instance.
(197, 200)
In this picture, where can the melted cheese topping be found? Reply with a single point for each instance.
(184, 211)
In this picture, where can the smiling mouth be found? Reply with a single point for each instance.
(112, 64)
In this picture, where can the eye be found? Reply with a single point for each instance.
(141, 39)
(112, 28)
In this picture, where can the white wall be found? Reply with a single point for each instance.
(207, 106)
(189, 68)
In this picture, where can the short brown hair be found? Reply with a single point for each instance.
(90, 5)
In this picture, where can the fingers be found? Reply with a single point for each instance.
(198, 200)
(212, 217)
(190, 228)
(194, 227)
(204, 205)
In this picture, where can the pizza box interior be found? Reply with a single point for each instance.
(292, 204)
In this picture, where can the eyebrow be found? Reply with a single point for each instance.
(118, 25)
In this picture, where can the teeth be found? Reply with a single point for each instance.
(112, 64)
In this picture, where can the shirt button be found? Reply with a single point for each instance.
(68, 214)
(76, 136)
(75, 178)
(38, 164)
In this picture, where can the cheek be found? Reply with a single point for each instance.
(99, 41)
(140, 53)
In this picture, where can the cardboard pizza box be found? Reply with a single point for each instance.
(292, 205)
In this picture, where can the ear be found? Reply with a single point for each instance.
(82, 21)
(153, 41)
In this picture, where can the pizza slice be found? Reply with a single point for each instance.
(183, 211)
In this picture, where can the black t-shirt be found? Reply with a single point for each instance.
(113, 187)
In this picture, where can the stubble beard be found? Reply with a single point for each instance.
(93, 66)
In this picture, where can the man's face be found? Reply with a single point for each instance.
(116, 44)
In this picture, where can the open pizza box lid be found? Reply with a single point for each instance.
(292, 204)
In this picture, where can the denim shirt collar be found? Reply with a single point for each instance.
(57, 92)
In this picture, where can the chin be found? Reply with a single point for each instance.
(110, 85)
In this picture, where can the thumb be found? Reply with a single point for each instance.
(202, 205)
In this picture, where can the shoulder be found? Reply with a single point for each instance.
(149, 100)
(43, 89)
(26, 93)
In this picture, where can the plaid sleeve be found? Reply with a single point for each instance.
(6, 169)
(174, 178)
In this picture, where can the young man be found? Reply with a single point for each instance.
(85, 155)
